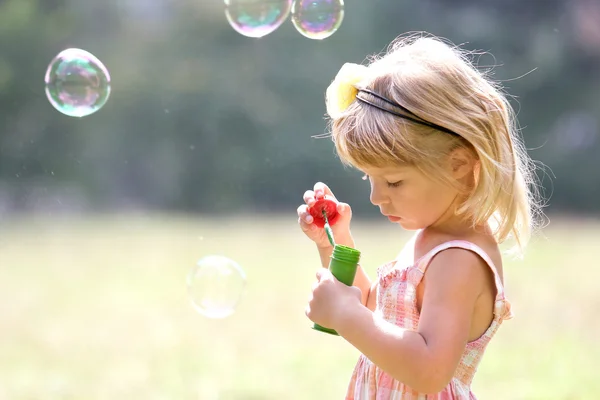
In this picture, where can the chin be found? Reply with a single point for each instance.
(410, 225)
(406, 225)
(410, 228)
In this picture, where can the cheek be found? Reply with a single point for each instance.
(408, 199)
(422, 201)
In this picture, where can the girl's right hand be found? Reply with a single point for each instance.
(341, 229)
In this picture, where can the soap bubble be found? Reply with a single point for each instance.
(77, 83)
(257, 18)
(317, 19)
(215, 286)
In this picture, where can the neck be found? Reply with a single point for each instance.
(452, 224)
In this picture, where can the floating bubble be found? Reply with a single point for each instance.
(317, 19)
(256, 18)
(215, 286)
(77, 83)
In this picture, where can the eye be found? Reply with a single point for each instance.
(394, 184)
(365, 177)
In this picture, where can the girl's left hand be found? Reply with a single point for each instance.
(331, 300)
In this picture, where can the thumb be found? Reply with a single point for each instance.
(345, 212)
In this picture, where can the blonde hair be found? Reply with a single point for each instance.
(437, 82)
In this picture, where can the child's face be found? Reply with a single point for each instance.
(408, 197)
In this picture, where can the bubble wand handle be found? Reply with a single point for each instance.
(343, 265)
(328, 230)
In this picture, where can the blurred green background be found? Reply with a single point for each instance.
(206, 146)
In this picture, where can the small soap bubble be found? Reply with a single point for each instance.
(256, 18)
(77, 83)
(317, 19)
(215, 286)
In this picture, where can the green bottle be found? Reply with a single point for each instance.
(343, 265)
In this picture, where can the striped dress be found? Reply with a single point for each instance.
(397, 303)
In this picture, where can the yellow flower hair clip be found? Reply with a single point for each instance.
(342, 91)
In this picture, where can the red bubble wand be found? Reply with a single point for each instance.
(325, 214)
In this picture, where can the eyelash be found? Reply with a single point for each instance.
(389, 184)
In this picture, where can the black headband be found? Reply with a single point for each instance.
(411, 117)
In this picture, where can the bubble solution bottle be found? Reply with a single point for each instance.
(343, 265)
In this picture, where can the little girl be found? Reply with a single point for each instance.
(439, 145)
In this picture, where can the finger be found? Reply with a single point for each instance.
(306, 228)
(357, 292)
(304, 215)
(344, 209)
(321, 190)
(309, 197)
(323, 274)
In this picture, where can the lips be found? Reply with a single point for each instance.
(393, 219)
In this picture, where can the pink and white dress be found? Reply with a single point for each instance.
(397, 303)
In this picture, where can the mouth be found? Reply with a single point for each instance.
(393, 218)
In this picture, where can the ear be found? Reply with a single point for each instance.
(462, 162)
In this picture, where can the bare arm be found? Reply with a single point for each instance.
(424, 359)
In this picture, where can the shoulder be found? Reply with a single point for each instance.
(456, 264)
(468, 245)
(465, 265)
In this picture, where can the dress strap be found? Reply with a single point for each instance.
(502, 306)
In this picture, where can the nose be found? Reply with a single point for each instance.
(378, 196)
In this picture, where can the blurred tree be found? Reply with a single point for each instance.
(203, 119)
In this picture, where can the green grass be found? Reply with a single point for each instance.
(97, 308)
